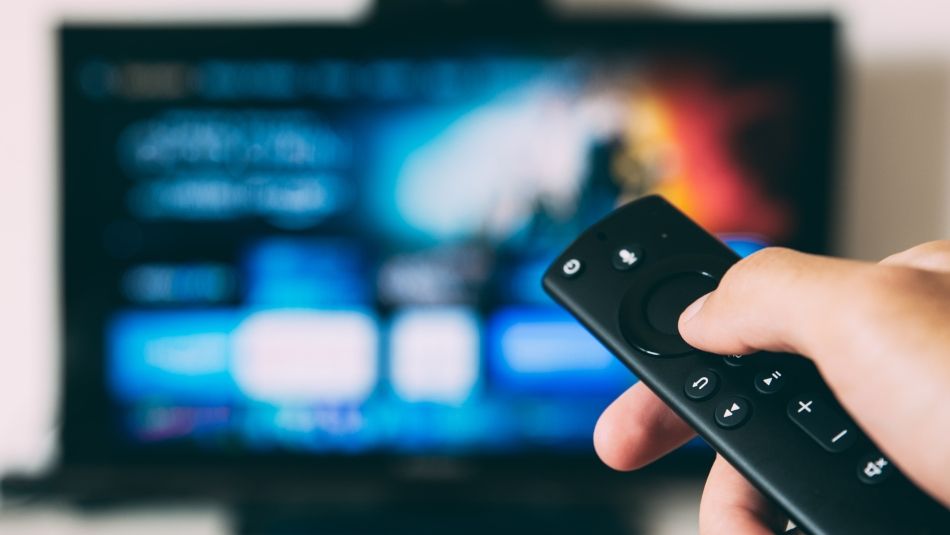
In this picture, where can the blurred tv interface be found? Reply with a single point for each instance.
(339, 251)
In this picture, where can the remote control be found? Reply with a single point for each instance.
(628, 278)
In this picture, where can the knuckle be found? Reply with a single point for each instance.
(882, 281)
(930, 255)
(930, 247)
(883, 290)
(749, 270)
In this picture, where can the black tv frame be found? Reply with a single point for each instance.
(89, 444)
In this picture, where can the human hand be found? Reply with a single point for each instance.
(878, 333)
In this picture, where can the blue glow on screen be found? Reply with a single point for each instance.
(306, 272)
(545, 351)
(314, 379)
(178, 357)
(368, 275)
(744, 245)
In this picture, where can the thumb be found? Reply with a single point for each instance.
(774, 300)
(871, 330)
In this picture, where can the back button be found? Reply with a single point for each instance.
(701, 384)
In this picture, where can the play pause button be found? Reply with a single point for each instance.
(769, 381)
(733, 412)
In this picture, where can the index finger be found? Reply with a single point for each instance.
(637, 429)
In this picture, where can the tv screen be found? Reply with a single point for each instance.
(327, 241)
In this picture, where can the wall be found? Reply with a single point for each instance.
(897, 169)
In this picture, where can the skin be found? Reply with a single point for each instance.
(878, 333)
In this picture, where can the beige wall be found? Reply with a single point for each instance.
(897, 187)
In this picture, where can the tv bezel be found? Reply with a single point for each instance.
(86, 438)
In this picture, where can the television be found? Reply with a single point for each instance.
(314, 249)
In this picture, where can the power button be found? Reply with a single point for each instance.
(572, 268)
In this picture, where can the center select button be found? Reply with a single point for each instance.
(649, 311)
(671, 297)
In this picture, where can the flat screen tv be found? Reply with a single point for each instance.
(316, 248)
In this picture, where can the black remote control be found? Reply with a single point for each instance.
(628, 278)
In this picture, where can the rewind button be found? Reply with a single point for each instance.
(733, 412)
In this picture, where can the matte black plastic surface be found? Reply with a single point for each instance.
(821, 490)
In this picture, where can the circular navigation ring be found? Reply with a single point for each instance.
(649, 312)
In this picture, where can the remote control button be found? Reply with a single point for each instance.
(650, 309)
(733, 412)
(627, 257)
(823, 422)
(671, 297)
(733, 360)
(571, 268)
(769, 381)
(701, 384)
(874, 469)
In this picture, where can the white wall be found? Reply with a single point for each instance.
(897, 187)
